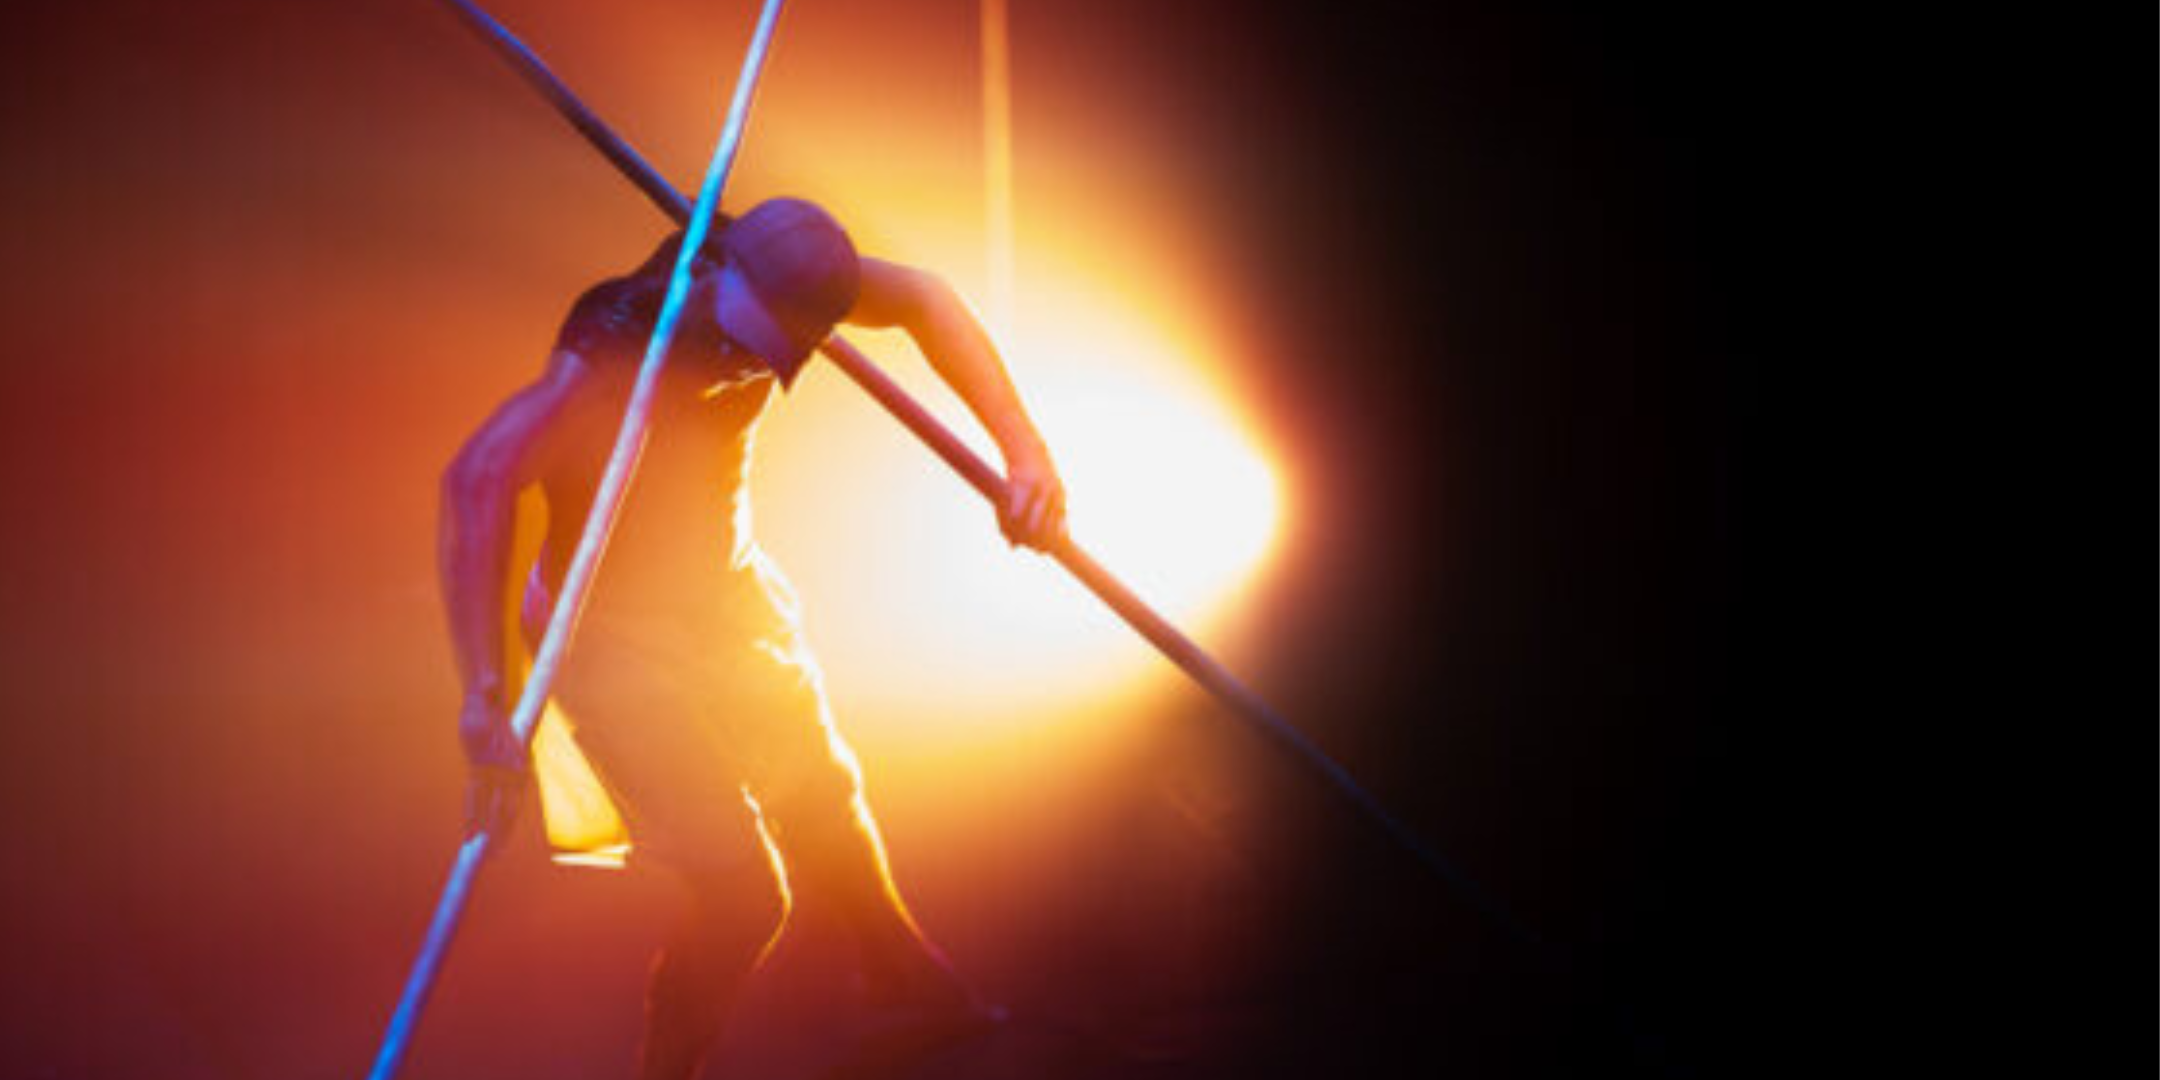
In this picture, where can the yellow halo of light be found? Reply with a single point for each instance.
(924, 618)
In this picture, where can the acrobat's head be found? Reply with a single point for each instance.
(790, 274)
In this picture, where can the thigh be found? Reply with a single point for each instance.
(640, 720)
(779, 729)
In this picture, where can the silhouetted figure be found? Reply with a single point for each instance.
(694, 696)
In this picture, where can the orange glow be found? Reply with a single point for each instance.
(998, 161)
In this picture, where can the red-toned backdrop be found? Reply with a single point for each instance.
(1481, 278)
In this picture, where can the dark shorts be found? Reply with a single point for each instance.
(703, 733)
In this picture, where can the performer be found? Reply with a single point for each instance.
(693, 694)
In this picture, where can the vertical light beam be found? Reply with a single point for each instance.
(997, 163)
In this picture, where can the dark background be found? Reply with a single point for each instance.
(1657, 580)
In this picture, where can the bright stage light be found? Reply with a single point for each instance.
(1164, 487)
(924, 618)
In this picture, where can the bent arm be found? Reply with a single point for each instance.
(958, 349)
(515, 447)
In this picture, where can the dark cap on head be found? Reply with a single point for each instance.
(791, 273)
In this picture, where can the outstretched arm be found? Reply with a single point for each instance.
(515, 447)
(960, 352)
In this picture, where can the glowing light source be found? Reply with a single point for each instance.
(1164, 486)
(924, 617)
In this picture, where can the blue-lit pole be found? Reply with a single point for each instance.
(599, 523)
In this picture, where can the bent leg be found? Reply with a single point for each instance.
(841, 858)
(809, 790)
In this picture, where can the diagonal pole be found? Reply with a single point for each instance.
(599, 523)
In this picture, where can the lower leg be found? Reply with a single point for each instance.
(841, 857)
(724, 935)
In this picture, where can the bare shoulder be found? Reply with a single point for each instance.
(609, 320)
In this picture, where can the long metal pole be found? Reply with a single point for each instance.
(599, 524)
